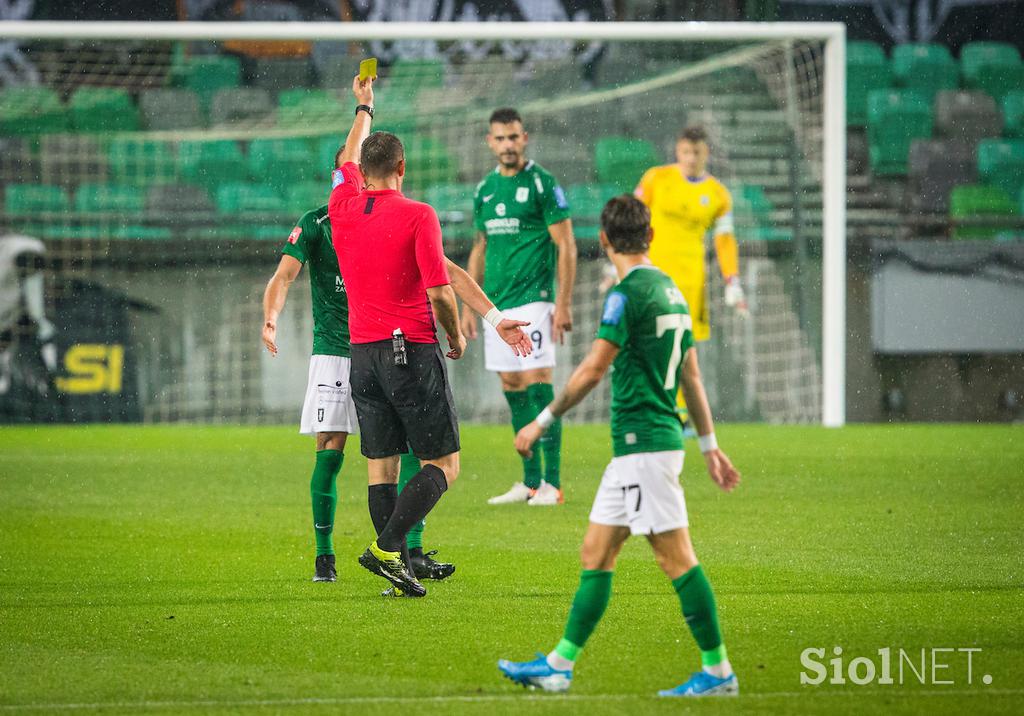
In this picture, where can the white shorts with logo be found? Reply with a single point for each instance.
(498, 355)
(642, 491)
(328, 407)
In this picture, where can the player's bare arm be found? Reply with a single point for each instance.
(511, 331)
(475, 269)
(446, 310)
(585, 378)
(561, 234)
(274, 297)
(363, 91)
(720, 468)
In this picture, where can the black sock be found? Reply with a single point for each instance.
(381, 499)
(412, 505)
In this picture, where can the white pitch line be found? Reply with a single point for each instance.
(482, 698)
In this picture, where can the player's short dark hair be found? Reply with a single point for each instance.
(505, 115)
(693, 133)
(626, 221)
(381, 154)
(337, 156)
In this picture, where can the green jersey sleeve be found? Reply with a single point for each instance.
(614, 326)
(297, 245)
(553, 201)
(478, 216)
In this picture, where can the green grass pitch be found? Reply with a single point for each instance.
(167, 570)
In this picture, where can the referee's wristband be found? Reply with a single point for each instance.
(707, 442)
(365, 108)
(494, 317)
(546, 418)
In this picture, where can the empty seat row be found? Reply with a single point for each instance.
(937, 167)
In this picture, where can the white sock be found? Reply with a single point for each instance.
(720, 670)
(559, 663)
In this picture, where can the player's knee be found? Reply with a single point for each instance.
(449, 465)
(596, 556)
(331, 441)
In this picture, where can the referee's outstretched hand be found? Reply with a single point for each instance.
(511, 332)
(457, 343)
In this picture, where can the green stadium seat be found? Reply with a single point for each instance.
(211, 164)
(427, 162)
(281, 162)
(895, 120)
(205, 74)
(925, 68)
(586, 201)
(103, 109)
(241, 198)
(138, 232)
(1000, 81)
(969, 201)
(26, 199)
(453, 202)
(621, 161)
(309, 106)
(327, 148)
(1013, 113)
(109, 199)
(68, 159)
(421, 74)
(83, 232)
(140, 161)
(1001, 163)
(305, 196)
(975, 56)
(867, 69)
(31, 110)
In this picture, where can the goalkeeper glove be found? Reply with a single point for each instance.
(735, 297)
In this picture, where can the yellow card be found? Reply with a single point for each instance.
(368, 69)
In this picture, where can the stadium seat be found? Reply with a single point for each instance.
(211, 164)
(277, 74)
(427, 162)
(999, 81)
(176, 202)
(241, 104)
(281, 162)
(867, 69)
(586, 201)
(924, 67)
(1001, 163)
(993, 67)
(26, 199)
(967, 116)
(989, 202)
(31, 110)
(205, 74)
(19, 163)
(935, 168)
(621, 161)
(138, 232)
(103, 109)
(305, 196)
(109, 199)
(895, 119)
(1013, 113)
(305, 106)
(164, 109)
(140, 161)
(68, 159)
(327, 148)
(453, 202)
(239, 198)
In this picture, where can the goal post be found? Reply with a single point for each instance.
(823, 79)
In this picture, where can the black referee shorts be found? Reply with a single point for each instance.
(403, 406)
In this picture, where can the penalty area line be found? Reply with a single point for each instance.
(480, 698)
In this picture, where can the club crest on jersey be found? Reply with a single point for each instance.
(560, 201)
(294, 236)
(704, 199)
(523, 194)
(500, 209)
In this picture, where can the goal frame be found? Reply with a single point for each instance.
(833, 34)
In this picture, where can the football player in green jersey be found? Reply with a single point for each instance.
(524, 247)
(646, 337)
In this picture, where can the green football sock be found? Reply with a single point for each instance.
(522, 414)
(410, 466)
(541, 395)
(587, 609)
(698, 603)
(323, 489)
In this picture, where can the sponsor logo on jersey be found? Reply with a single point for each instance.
(500, 209)
(560, 201)
(339, 284)
(614, 307)
(494, 227)
(523, 194)
(294, 236)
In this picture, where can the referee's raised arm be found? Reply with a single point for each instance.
(363, 91)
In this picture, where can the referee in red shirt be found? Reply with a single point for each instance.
(391, 259)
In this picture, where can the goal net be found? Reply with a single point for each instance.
(160, 177)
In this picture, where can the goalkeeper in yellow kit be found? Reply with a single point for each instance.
(686, 204)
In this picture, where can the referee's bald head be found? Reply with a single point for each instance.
(382, 155)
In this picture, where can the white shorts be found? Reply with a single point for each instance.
(328, 407)
(642, 491)
(498, 355)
